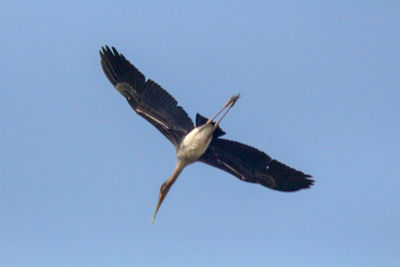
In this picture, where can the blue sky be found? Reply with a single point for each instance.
(80, 171)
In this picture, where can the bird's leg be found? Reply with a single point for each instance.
(167, 185)
(231, 102)
(227, 106)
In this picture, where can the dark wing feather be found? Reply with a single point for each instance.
(147, 98)
(251, 165)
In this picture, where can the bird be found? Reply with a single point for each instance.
(201, 142)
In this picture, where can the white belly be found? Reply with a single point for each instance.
(195, 143)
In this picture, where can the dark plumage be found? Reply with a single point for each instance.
(147, 98)
(158, 107)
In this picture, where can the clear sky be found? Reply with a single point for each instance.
(80, 171)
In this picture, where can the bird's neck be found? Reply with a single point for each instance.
(178, 169)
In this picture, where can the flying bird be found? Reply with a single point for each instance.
(202, 142)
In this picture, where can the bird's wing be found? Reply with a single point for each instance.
(147, 98)
(251, 165)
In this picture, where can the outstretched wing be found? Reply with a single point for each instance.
(147, 98)
(254, 166)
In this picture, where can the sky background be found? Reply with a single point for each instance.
(80, 172)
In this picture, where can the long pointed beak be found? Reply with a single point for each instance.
(167, 185)
(160, 200)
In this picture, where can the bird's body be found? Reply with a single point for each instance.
(201, 143)
(195, 143)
